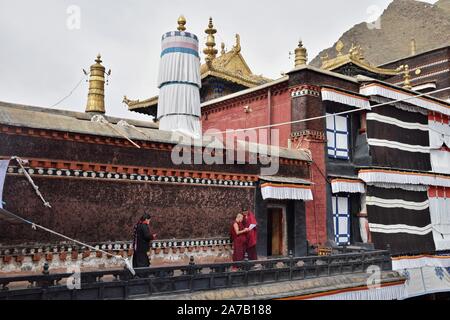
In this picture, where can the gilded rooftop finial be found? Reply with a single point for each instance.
(407, 76)
(181, 23)
(301, 55)
(210, 49)
(96, 95)
(237, 47)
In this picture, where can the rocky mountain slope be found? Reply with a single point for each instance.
(402, 21)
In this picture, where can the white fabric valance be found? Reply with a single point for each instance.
(345, 98)
(347, 186)
(377, 89)
(3, 168)
(286, 192)
(412, 178)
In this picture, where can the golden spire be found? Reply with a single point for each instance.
(413, 47)
(96, 95)
(237, 46)
(181, 23)
(210, 50)
(301, 55)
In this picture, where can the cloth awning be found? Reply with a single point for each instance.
(286, 192)
(346, 98)
(347, 185)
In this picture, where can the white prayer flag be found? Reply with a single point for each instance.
(3, 168)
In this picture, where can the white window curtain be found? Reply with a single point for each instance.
(3, 168)
(439, 132)
(341, 219)
(337, 136)
(440, 161)
(439, 198)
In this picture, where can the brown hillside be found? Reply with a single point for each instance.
(402, 21)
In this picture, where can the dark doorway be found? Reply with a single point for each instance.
(275, 232)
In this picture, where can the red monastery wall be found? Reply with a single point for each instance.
(251, 111)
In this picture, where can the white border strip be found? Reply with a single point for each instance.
(405, 125)
(397, 203)
(420, 262)
(400, 228)
(394, 292)
(398, 145)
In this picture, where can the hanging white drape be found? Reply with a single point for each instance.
(439, 199)
(3, 168)
(179, 99)
(439, 134)
(440, 161)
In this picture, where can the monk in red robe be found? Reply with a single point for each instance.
(249, 220)
(239, 238)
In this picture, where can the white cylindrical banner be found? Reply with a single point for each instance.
(179, 81)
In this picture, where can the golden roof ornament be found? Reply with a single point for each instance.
(181, 23)
(407, 76)
(96, 94)
(301, 55)
(210, 50)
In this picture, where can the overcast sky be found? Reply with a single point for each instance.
(43, 52)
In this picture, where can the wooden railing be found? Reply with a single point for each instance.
(120, 284)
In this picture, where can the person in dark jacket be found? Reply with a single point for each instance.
(141, 242)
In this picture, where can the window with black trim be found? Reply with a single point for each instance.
(338, 136)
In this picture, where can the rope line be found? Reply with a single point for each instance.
(70, 93)
(330, 115)
(27, 175)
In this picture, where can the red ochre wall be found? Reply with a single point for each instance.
(316, 210)
(231, 114)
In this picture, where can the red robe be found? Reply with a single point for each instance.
(239, 242)
(251, 235)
